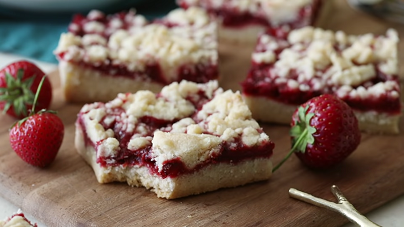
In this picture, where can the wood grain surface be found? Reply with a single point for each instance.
(67, 193)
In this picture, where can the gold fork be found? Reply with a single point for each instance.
(343, 206)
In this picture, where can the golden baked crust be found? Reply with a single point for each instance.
(81, 84)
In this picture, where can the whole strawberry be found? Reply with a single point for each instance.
(38, 137)
(19, 83)
(324, 132)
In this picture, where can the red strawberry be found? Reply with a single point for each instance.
(324, 132)
(38, 137)
(19, 83)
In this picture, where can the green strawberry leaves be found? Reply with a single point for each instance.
(17, 93)
(301, 133)
(35, 99)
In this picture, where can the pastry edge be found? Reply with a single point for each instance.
(76, 81)
(281, 113)
(207, 179)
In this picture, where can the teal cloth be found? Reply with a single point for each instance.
(36, 35)
(33, 40)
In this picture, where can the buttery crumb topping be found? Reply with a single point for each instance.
(182, 37)
(194, 135)
(323, 58)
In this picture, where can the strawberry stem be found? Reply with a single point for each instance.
(301, 133)
(295, 145)
(37, 95)
(34, 104)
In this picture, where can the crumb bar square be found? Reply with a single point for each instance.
(242, 21)
(188, 139)
(103, 55)
(289, 69)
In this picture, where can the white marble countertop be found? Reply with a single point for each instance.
(390, 214)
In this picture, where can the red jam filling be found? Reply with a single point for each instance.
(256, 84)
(233, 18)
(259, 82)
(199, 73)
(233, 152)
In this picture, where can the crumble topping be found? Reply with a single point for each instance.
(276, 12)
(94, 27)
(202, 116)
(193, 16)
(167, 146)
(170, 105)
(183, 37)
(313, 59)
(227, 115)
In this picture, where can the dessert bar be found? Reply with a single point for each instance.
(103, 55)
(289, 69)
(242, 21)
(188, 139)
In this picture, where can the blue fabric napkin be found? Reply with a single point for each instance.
(36, 35)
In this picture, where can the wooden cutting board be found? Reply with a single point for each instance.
(67, 193)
